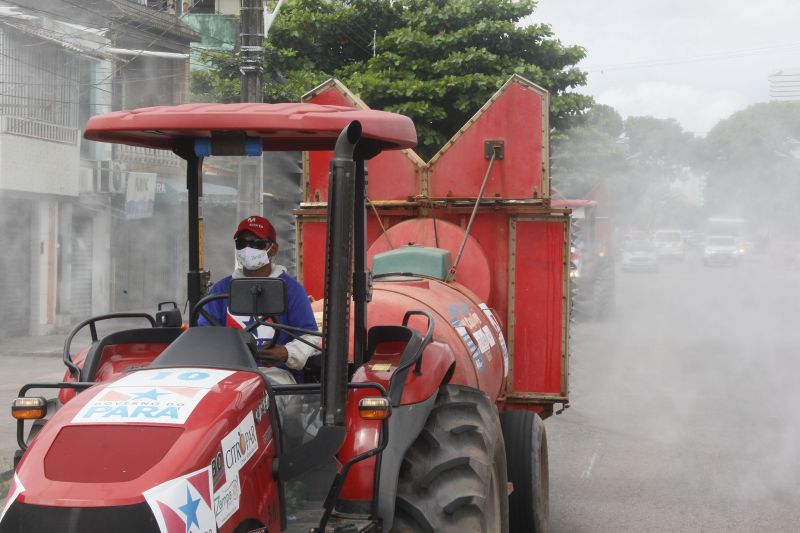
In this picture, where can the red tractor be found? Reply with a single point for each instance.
(592, 268)
(418, 416)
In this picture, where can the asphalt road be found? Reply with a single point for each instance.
(685, 406)
(17, 370)
(27, 360)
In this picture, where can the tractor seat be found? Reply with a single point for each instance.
(398, 344)
(392, 342)
(103, 349)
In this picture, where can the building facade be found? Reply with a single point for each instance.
(66, 225)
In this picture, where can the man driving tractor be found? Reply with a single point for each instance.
(256, 246)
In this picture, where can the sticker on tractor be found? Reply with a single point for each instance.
(226, 501)
(500, 338)
(217, 469)
(490, 316)
(472, 321)
(478, 361)
(380, 367)
(457, 310)
(154, 405)
(267, 436)
(239, 446)
(471, 346)
(488, 334)
(467, 338)
(262, 408)
(504, 348)
(198, 378)
(15, 488)
(483, 342)
(183, 505)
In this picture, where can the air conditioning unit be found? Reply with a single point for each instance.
(118, 180)
(110, 177)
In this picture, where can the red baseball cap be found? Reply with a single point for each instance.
(260, 226)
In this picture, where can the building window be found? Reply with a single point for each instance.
(199, 6)
(40, 80)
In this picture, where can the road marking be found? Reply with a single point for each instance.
(588, 472)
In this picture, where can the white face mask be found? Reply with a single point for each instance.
(252, 259)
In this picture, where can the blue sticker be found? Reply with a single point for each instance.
(458, 310)
(478, 361)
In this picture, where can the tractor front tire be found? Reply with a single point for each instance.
(526, 450)
(453, 478)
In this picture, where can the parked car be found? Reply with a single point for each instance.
(639, 255)
(695, 239)
(721, 250)
(669, 244)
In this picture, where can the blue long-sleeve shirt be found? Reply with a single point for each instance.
(298, 314)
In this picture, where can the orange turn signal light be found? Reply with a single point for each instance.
(29, 408)
(374, 408)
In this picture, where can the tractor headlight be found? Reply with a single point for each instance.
(374, 408)
(29, 408)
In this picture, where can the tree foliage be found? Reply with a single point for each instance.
(436, 61)
(753, 161)
(590, 154)
(643, 161)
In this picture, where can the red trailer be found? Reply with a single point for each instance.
(516, 254)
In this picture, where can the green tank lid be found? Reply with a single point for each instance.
(413, 259)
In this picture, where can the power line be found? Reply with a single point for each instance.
(691, 59)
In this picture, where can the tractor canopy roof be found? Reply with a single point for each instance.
(280, 127)
(573, 203)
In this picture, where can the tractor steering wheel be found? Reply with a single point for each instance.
(260, 322)
(199, 309)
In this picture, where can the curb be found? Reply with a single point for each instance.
(31, 354)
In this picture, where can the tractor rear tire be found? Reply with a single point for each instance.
(453, 477)
(605, 288)
(526, 450)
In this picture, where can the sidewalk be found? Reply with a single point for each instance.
(41, 346)
(53, 345)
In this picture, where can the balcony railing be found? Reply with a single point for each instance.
(45, 131)
(147, 156)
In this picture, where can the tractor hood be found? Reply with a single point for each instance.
(115, 442)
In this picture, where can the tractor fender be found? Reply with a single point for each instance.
(405, 425)
(408, 419)
(437, 368)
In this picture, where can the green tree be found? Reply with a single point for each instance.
(590, 154)
(436, 61)
(643, 161)
(660, 146)
(753, 162)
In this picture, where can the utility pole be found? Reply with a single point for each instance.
(251, 186)
(252, 51)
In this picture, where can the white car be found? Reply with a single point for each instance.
(639, 255)
(669, 244)
(721, 250)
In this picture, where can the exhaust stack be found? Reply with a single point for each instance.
(339, 275)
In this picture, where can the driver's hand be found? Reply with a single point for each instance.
(279, 351)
